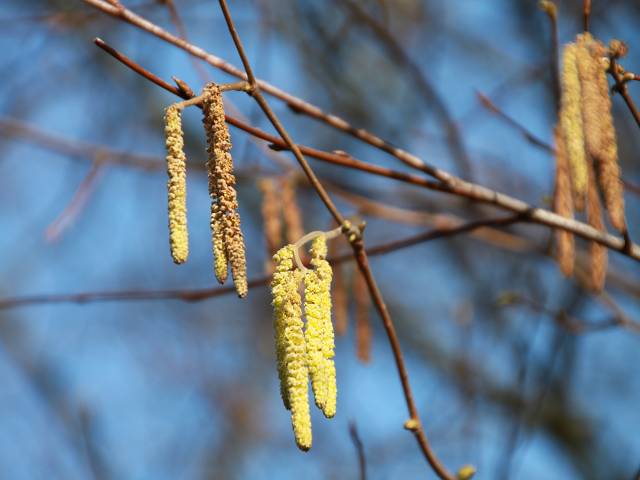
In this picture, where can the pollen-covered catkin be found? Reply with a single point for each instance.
(563, 205)
(225, 220)
(571, 123)
(290, 345)
(319, 332)
(176, 185)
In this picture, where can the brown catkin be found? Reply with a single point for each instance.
(607, 164)
(291, 211)
(339, 294)
(571, 123)
(600, 134)
(227, 238)
(363, 325)
(597, 252)
(271, 220)
(176, 185)
(563, 205)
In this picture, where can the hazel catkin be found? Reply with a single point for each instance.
(176, 185)
(319, 332)
(563, 205)
(227, 238)
(291, 349)
(571, 123)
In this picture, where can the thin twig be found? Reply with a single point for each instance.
(357, 443)
(77, 203)
(530, 137)
(357, 243)
(586, 14)
(454, 186)
(621, 88)
(191, 295)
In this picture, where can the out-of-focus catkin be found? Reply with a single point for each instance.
(571, 123)
(176, 185)
(319, 332)
(563, 205)
(363, 325)
(290, 345)
(227, 238)
(600, 134)
(271, 219)
(598, 252)
(291, 211)
(339, 296)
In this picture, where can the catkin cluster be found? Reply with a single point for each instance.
(304, 351)
(226, 235)
(227, 239)
(586, 149)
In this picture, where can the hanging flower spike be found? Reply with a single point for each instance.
(319, 332)
(571, 124)
(176, 185)
(227, 238)
(290, 345)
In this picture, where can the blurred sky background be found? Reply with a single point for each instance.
(164, 389)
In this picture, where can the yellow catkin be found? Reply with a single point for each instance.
(220, 265)
(571, 123)
(319, 332)
(597, 252)
(290, 345)
(225, 220)
(563, 205)
(176, 185)
(271, 219)
(363, 325)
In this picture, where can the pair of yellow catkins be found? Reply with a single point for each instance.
(304, 351)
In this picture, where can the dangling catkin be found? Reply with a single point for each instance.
(272, 223)
(363, 326)
(599, 131)
(571, 123)
(597, 251)
(290, 345)
(227, 238)
(319, 332)
(291, 211)
(176, 185)
(563, 205)
(339, 295)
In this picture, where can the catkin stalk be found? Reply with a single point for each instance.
(176, 185)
